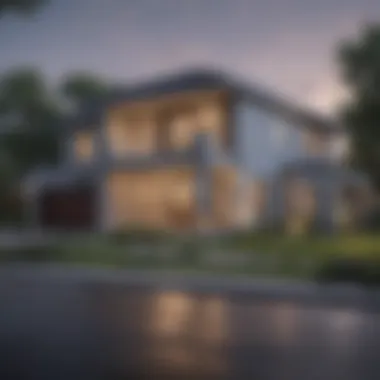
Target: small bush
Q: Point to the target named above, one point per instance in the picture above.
(372, 221)
(350, 270)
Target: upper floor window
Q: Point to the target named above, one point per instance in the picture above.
(117, 137)
(139, 135)
(209, 117)
(182, 131)
(84, 146)
(184, 126)
(130, 135)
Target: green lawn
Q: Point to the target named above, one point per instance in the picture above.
(355, 244)
(259, 255)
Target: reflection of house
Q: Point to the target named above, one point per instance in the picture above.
(195, 150)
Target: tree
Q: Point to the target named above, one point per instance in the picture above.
(31, 113)
(31, 118)
(360, 64)
(20, 6)
(29, 137)
(80, 88)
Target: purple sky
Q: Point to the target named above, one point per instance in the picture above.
(285, 44)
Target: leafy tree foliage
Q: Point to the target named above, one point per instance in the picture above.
(31, 122)
(360, 63)
(80, 88)
(20, 6)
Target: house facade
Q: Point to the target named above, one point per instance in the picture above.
(194, 151)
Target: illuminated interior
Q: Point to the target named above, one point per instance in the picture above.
(163, 199)
(84, 146)
(167, 122)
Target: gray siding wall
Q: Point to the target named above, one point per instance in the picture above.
(263, 141)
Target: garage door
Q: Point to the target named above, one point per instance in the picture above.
(69, 208)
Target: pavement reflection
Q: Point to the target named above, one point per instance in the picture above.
(112, 330)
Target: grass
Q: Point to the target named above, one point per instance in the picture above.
(352, 245)
(248, 254)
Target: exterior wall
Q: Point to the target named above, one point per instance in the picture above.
(263, 141)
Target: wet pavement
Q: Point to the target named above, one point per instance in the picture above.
(78, 324)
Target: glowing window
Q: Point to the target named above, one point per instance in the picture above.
(209, 116)
(182, 131)
(84, 146)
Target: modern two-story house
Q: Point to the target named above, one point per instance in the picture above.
(196, 150)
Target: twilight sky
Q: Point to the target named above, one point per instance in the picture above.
(287, 45)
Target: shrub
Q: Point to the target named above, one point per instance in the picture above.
(363, 271)
(372, 221)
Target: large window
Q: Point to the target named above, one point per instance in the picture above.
(184, 127)
(209, 117)
(133, 135)
(117, 138)
(182, 191)
(182, 131)
(210, 121)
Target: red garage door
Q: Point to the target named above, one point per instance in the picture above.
(68, 208)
